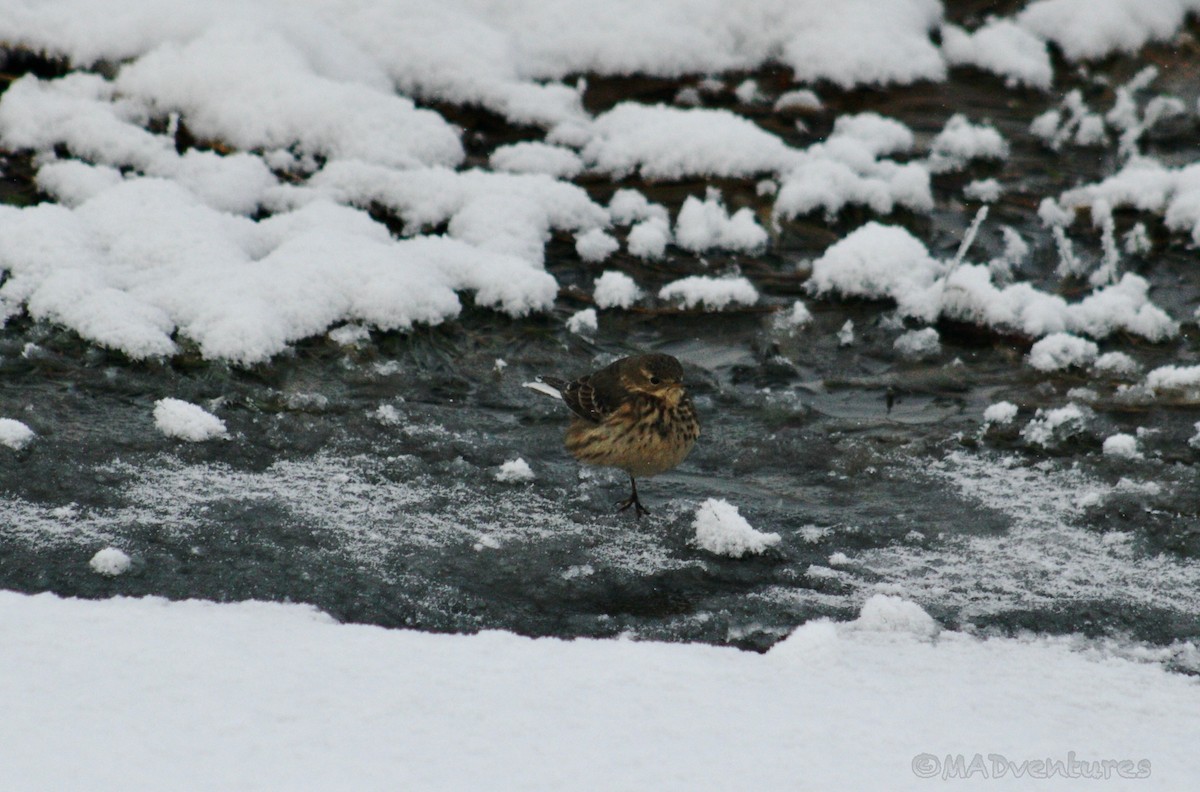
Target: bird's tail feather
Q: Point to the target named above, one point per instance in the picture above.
(548, 386)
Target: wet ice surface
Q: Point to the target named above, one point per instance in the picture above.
(348, 482)
(359, 472)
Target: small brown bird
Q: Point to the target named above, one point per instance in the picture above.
(634, 415)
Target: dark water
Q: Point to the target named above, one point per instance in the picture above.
(395, 517)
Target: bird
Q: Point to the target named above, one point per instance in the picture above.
(634, 415)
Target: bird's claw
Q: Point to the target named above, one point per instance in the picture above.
(639, 509)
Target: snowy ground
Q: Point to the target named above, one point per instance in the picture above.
(192, 695)
(271, 277)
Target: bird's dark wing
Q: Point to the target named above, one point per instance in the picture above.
(594, 396)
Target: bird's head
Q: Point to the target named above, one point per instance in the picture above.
(657, 375)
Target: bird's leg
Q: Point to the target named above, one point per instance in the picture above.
(633, 501)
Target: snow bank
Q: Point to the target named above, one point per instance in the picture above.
(220, 693)
(186, 421)
(15, 434)
(720, 529)
(712, 293)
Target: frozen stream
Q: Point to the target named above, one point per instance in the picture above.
(359, 474)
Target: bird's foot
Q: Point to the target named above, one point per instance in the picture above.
(633, 501)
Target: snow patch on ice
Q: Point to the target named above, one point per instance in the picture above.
(15, 434)
(722, 530)
(110, 562)
(185, 421)
(515, 471)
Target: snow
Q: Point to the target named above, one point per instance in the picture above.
(515, 471)
(1184, 379)
(186, 421)
(534, 157)
(797, 317)
(960, 141)
(1051, 426)
(803, 100)
(1121, 445)
(1116, 364)
(349, 335)
(847, 169)
(335, 96)
(110, 562)
(1001, 413)
(583, 322)
(649, 238)
(1194, 442)
(879, 262)
(845, 335)
(1088, 29)
(891, 614)
(1059, 351)
(662, 142)
(919, 344)
(615, 290)
(217, 693)
(596, 245)
(985, 190)
(721, 529)
(711, 293)
(702, 225)
(1003, 47)
(15, 434)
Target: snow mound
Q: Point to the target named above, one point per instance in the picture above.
(1002, 47)
(1000, 413)
(918, 344)
(669, 143)
(961, 141)
(15, 434)
(186, 421)
(533, 157)
(1059, 351)
(1051, 426)
(615, 290)
(596, 245)
(1121, 445)
(110, 562)
(713, 293)
(583, 322)
(515, 471)
(887, 613)
(720, 529)
(880, 262)
(702, 225)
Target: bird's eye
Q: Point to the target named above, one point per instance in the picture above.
(655, 381)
